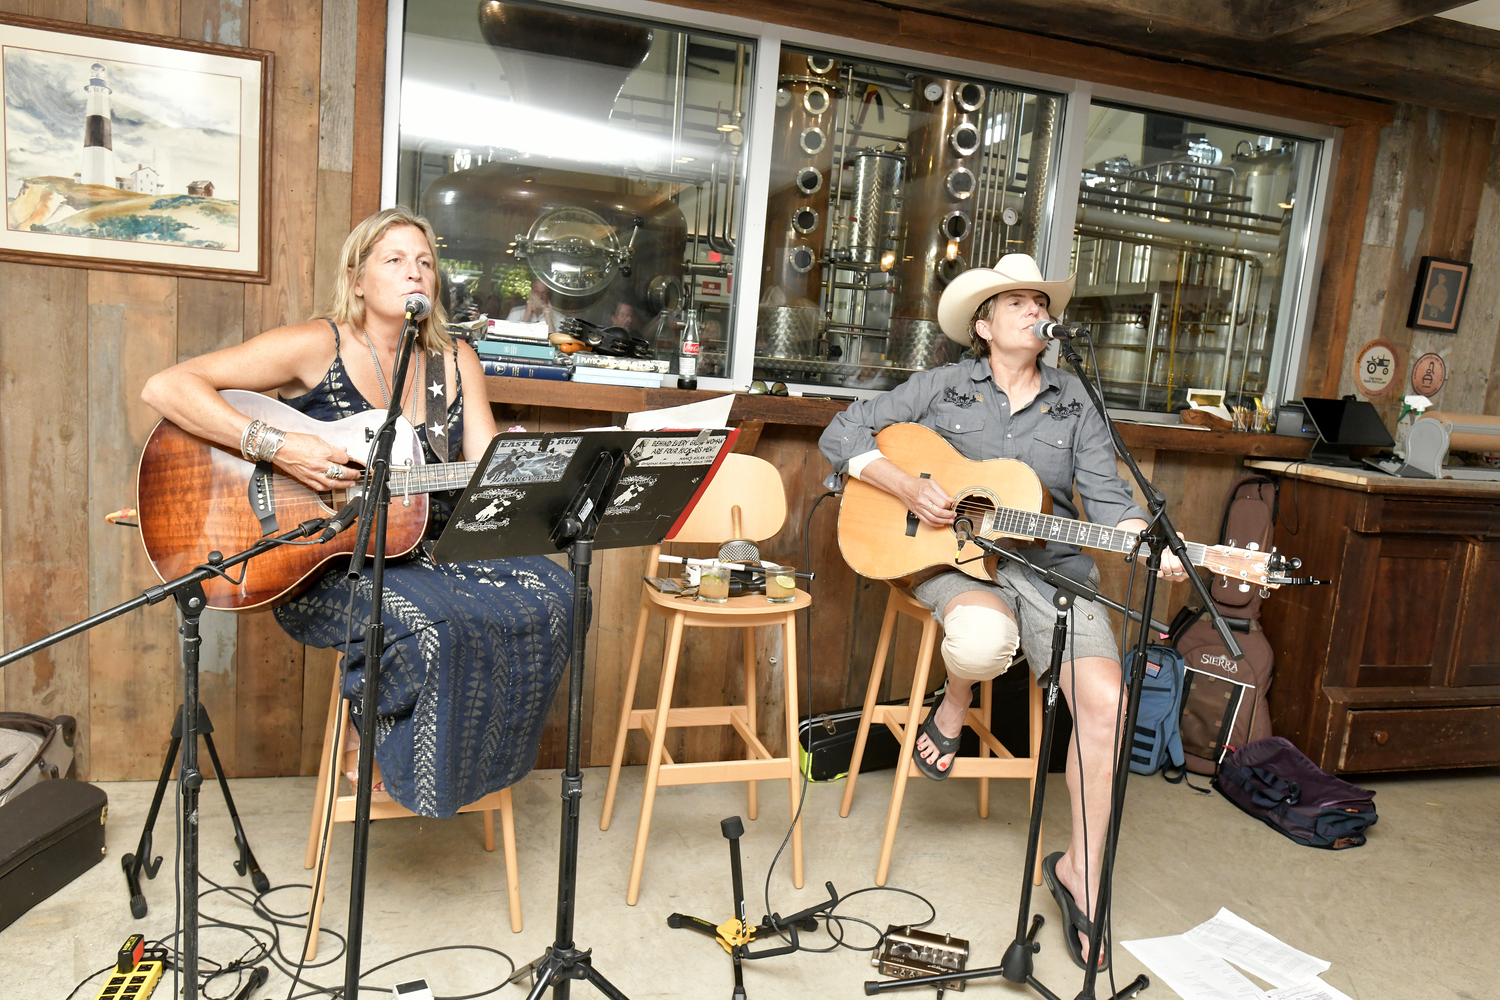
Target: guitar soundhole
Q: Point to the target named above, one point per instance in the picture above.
(974, 506)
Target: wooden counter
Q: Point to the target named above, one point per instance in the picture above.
(1396, 665)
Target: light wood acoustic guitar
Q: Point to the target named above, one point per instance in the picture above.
(195, 497)
(997, 499)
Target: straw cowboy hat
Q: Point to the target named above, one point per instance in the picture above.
(967, 292)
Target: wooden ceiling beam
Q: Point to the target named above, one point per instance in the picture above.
(1331, 22)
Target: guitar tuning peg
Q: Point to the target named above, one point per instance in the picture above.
(1253, 546)
(1244, 588)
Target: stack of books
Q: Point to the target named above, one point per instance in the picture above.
(521, 350)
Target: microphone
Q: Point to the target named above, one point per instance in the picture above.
(964, 529)
(343, 519)
(418, 306)
(1051, 329)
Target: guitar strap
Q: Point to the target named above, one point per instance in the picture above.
(435, 393)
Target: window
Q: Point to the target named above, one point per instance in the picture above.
(885, 183)
(577, 167)
(1190, 245)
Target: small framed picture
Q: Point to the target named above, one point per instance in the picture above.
(1438, 301)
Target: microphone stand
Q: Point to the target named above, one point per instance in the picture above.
(372, 516)
(187, 591)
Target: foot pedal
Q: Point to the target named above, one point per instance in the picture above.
(909, 953)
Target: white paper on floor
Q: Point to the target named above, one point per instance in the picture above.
(1237, 940)
(1192, 972)
(1314, 990)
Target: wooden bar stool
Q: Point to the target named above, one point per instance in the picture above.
(332, 805)
(895, 717)
(755, 486)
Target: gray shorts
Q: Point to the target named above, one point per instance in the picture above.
(1089, 632)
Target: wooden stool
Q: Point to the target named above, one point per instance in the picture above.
(330, 807)
(756, 485)
(984, 767)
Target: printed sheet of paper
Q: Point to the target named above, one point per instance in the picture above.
(1236, 940)
(1191, 971)
(691, 416)
(1313, 990)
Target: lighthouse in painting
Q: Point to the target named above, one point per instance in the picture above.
(98, 148)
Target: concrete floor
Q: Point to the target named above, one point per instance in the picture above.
(1412, 914)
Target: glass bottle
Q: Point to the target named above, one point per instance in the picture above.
(687, 351)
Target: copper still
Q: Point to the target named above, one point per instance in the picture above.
(790, 319)
(942, 158)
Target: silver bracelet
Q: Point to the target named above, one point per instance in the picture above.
(247, 436)
(268, 442)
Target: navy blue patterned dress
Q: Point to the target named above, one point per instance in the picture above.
(474, 651)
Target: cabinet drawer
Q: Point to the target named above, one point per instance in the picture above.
(1407, 738)
(1424, 516)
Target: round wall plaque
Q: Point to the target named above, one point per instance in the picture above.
(1429, 374)
(1375, 367)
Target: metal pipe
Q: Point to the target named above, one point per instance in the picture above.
(679, 89)
(1039, 170)
(1184, 231)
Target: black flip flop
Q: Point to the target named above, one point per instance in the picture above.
(944, 744)
(1073, 919)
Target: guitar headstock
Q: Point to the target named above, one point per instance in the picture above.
(1266, 569)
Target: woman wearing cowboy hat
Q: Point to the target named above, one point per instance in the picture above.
(1005, 402)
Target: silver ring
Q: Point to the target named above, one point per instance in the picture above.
(335, 472)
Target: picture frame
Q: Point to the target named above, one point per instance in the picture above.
(133, 152)
(1437, 303)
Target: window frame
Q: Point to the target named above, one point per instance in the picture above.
(1299, 288)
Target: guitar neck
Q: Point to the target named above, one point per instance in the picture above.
(1009, 521)
(431, 478)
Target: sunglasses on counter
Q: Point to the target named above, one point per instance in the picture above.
(758, 388)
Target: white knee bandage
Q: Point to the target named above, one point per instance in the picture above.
(978, 643)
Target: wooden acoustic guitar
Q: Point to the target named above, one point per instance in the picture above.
(997, 499)
(195, 497)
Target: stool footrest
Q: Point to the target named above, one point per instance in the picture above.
(721, 771)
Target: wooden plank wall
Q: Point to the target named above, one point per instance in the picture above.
(1434, 191)
(76, 347)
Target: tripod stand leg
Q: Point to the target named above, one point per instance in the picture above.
(141, 860)
(246, 863)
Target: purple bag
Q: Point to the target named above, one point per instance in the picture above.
(1275, 782)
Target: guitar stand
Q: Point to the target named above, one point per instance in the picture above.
(735, 934)
(140, 861)
(187, 591)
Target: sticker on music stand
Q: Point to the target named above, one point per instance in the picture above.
(627, 499)
(1428, 375)
(699, 450)
(1375, 367)
(529, 460)
(492, 516)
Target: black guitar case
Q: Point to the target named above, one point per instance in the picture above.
(49, 835)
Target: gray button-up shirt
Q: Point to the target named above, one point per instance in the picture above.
(1058, 434)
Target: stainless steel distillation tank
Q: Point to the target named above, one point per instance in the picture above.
(594, 237)
(790, 320)
(937, 214)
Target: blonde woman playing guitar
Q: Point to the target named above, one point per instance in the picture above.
(1004, 402)
(475, 650)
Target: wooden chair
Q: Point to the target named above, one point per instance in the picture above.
(332, 805)
(984, 767)
(755, 486)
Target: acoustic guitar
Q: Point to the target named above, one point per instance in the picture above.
(996, 499)
(195, 497)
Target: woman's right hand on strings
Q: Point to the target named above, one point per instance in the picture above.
(308, 459)
(929, 501)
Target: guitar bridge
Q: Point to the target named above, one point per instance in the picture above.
(262, 494)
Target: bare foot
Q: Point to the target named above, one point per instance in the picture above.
(351, 760)
(948, 716)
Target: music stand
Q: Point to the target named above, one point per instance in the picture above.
(535, 494)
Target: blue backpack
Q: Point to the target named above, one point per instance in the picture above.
(1157, 738)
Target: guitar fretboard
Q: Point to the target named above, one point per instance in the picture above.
(431, 478)
(1009, 521)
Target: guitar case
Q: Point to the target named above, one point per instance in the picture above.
(1208, 701)
(49, 835)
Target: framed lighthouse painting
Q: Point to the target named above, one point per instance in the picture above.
(133, 152)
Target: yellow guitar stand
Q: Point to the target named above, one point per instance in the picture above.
(735, 934)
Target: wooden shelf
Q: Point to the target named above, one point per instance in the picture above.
(807, 412)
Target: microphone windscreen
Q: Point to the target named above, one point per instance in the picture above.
(418, 305)
(1042, 329)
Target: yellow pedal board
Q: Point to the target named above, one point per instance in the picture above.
(136, 984)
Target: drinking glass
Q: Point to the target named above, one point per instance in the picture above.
(713, 583)
(781, 585)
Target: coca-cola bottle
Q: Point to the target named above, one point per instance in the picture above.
(687, 351)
